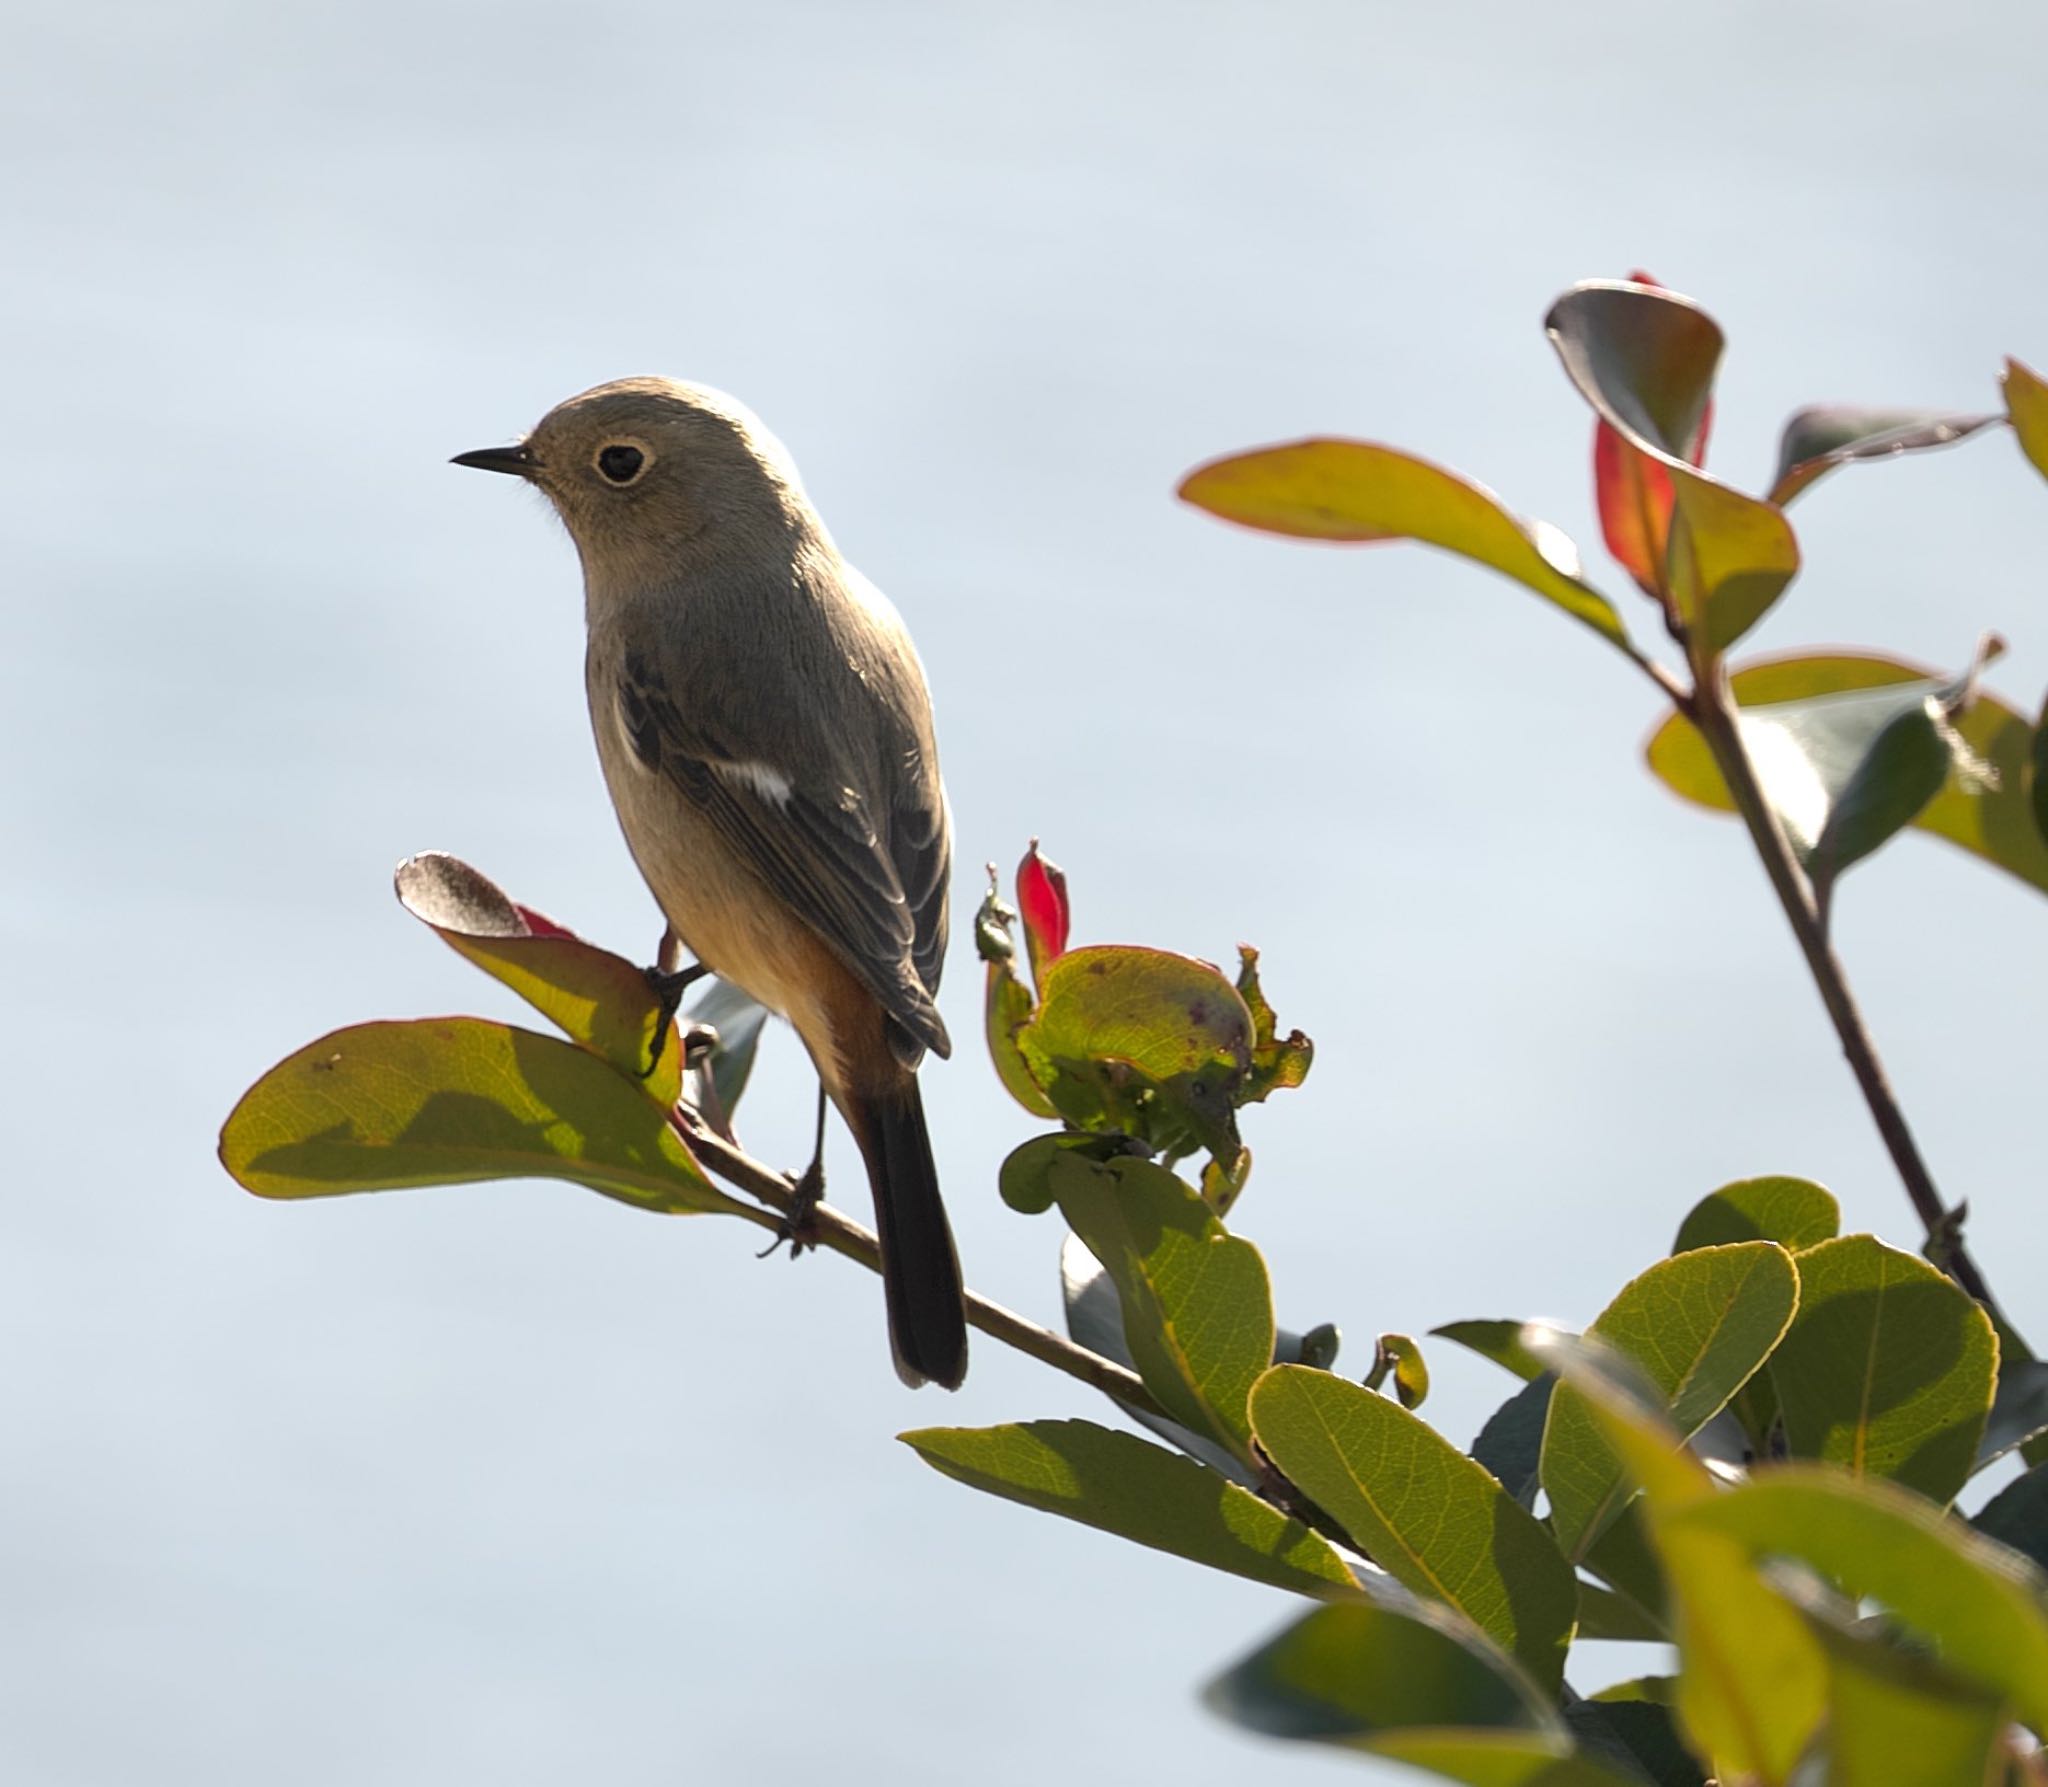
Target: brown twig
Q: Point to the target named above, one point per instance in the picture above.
(1710, 705)
(834, 1229)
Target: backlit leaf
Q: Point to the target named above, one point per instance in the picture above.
(1795, 1213)
(1644, 358)
(2026, 404)
(1359, 491)
(1128, 1486)
(1991, 819)
(1888, 1369)
(1422, 1510)
(443, 1101)
(1699, 1324)
(598, 999)
(1978, 1603)
(1197, 1308)
(1151, 1044)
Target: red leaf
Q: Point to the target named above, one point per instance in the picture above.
(1042, 904)
(1634, 494)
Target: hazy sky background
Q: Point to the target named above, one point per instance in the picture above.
(512, 1484)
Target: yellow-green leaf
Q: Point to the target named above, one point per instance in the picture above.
(1752, 1679)
(1889, 1369)
(1981, 1605)
(1698, 1324)
(1991, 818)
(1359, 491)
(442, 1101)
(2026, 403)
(1424, 1512)
(1795, 1213)
(1197, 1307)
(1121, 1484)
(596, 998)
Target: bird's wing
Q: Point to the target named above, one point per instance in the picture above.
(878, 901)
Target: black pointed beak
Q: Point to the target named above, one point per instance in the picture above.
(518, 460)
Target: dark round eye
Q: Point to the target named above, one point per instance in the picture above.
(621, 464)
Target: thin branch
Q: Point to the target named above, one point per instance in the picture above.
(1711, 707)
(835, 1230)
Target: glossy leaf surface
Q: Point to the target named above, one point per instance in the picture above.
(1795, 1213)
(1197, 1308)
(1128, 1486)
(596, 998)
(1820, 438)
(1698, 1324)
(443, 1101)
(1888, 1370)
(1359, 491)
(1993, 820)
(1645, 359)
(1423, 1511)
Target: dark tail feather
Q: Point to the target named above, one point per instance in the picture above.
(920, 1270)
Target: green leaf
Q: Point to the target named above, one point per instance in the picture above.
(1398, 1355)
(1888, 1369)
(1752, 1678)
(1605, 1614)
(1198, 1310)
(1818, 439)
(1626, 1561)
(1993, 820)
(1095, 1319)
(1422, 1510)
(1008, 1004)
(2017, 1516)
(442, 1101)
(1637, 1733)
(1359, 491)
(1279, 1063)
(1151, 1044)
(1644, 358)
(1024, 1180)
(1699, 1324)
(1511, 1443)
(1352, 1673)
(1136, 1490)
(2026, 405)
(1977, 1602)
(1795, 1213)
(1498, 1759)
(1891, 777)
(596, 998)
(1899, 1720)
(1496, 1340)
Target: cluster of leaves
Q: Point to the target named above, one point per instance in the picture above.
(1748, 1455)
(440, 1101)
(1751, 1456)
(1850, 747)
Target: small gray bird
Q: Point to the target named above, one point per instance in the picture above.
(766, 735)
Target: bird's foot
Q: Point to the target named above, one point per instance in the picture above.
(799, 1226)
(668, 985)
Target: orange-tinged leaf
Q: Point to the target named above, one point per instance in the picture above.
(1359, 492)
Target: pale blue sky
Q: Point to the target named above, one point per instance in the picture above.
(512, 1484)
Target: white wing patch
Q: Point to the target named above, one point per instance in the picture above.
(762, 779)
